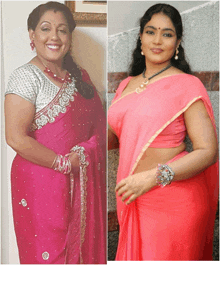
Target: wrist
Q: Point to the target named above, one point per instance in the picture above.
(153, 177)
(62, 164)
(150, 178)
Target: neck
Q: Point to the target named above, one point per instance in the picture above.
(54, 66)
(152, 68)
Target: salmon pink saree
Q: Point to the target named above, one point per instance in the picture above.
(175, 222)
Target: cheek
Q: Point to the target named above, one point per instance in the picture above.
(66, 41)
(171, 45)
(40, 38)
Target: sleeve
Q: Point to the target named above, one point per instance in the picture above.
(23, 82)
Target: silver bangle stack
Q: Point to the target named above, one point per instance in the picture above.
(164, 175)
(62, 164)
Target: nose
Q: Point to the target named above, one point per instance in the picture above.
(157, 39)
(54, 35)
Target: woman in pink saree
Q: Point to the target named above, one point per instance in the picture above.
(166, 197)
(56, 124)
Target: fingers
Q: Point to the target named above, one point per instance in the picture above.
(126, 195)
(119, 185)
(122, 190)
(131, 199)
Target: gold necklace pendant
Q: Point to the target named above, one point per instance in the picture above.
(141, 87)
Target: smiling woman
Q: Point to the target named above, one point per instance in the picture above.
(51, 37)
(56, 124)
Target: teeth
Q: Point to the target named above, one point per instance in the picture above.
(53, 46)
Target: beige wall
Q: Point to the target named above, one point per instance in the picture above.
(89, 46)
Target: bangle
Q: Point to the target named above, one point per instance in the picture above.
(164, 175)
(54, 162)
(62, 164)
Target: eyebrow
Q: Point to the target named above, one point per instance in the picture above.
(164, 29)
(50, 23)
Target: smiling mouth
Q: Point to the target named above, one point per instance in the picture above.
(156, 50)
(53, 47)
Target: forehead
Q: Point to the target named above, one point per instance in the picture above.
(160, 20)
(53, 17)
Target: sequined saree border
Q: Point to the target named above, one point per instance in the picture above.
(83, 192)
(159, 131)
(55, 107)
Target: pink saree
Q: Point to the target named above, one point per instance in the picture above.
(175, 222)
(58, 221)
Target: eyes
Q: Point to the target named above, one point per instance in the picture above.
(165, 34)
(48, 29)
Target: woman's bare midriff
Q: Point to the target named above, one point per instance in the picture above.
(153, 156)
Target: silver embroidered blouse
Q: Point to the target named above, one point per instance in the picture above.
(30, 83)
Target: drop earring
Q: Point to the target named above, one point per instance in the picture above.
(142, 53)
(32, 45)
(176, 56)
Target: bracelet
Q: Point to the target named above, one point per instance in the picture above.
(62, 164)
(164, 175)
(54, 162)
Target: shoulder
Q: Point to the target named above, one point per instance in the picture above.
(85, 75)
(25, 82)
(26, 72)
(188, 78)
(124, 82)
(190, 83)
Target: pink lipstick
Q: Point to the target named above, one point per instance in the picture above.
(156, 50)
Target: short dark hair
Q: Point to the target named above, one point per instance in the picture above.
(39, 11)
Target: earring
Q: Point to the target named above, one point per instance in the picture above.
(142, 53)
(32, 45)
(176, 56)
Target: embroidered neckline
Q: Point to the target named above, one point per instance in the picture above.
(55, 107)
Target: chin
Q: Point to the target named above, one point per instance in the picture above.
(54, 58)
(158, 60)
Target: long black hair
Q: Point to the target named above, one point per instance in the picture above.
(83, 88)
(138, 62)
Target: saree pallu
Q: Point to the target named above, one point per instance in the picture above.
(44, 209)
(175, 222)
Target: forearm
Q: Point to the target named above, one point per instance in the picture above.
(192, 164)
(189, 165)
(33, 151)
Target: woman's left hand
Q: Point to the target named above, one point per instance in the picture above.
(74, 159)
(136, 185)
